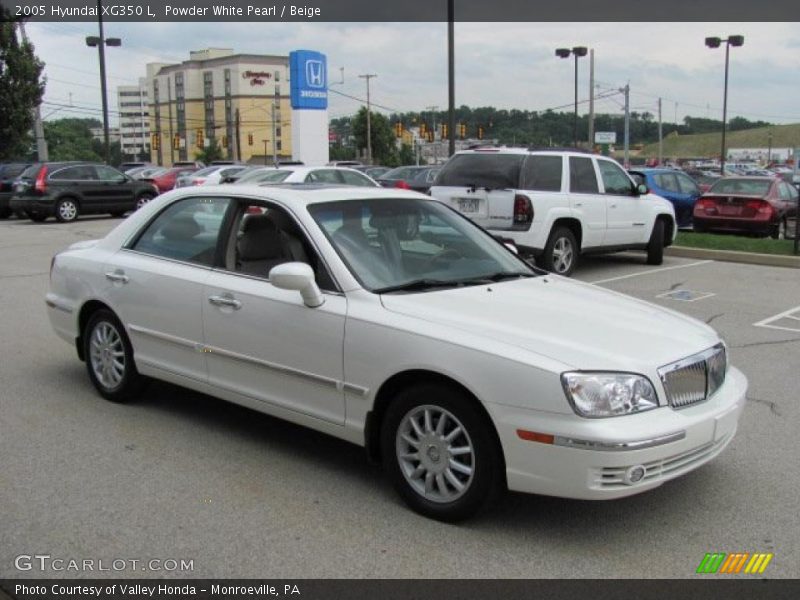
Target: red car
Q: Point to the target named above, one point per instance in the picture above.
(166, 181)
(758, 205)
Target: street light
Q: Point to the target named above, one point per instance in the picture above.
(577, 52)
(101, 42)
(715, 42)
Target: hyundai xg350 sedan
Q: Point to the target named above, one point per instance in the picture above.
(387, 319)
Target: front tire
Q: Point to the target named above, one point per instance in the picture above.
(109, 358)
(561, 252)
(440, 453)
(779, 233)
(655, 248)
(143, 199)
(67, 210)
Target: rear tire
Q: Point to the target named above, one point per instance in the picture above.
(440, 453)
(67, 210)
(655, 248)
(142, 200)
(561, 252)
(109, 358)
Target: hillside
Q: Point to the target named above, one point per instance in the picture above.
(708, 144)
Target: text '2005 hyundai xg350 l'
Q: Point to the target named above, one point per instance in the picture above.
(386, 318)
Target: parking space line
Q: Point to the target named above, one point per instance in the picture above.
(651, 271)
(787, 314)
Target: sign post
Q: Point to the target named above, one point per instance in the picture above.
(605, 139)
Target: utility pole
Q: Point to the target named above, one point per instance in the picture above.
(274, 132)
(238, 137)
(660, 137)
(38, 128)
(626, 152)
(451, 78)
(368, 76)
(769, 152)
(169, 110)
(591, 98)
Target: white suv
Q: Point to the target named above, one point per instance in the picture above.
(556, 204)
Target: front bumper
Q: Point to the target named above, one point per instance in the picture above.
(597, 471)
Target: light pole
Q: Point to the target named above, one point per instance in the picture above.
(715, 42)
(101, 42)
(577, 52)
(368, 76)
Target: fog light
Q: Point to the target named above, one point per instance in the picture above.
(634, 474)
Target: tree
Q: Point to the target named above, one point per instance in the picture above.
(210, 153)
(406, 156)
(21, 89)
(384, 151)
(71, 139)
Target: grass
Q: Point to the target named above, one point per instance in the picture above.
(737, 243)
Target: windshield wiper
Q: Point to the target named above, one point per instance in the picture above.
(417, 285)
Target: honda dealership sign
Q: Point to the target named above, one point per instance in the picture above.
(308, 73)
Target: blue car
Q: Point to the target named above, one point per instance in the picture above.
(675, 186)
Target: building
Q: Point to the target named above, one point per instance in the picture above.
(239, 101)
(134, 121)
(97, 134)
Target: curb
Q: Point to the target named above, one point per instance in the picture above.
(752, 258)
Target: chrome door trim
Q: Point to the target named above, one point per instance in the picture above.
(165, 337)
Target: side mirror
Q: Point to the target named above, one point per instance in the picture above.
(299, 277)
(641, 190)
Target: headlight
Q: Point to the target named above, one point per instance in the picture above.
(608, 394)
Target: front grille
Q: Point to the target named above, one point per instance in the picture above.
(696, 378)
(666, 468)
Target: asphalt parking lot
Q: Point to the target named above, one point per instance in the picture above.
(179, 475)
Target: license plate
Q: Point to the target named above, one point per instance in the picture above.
(468, 205)
(730, 210)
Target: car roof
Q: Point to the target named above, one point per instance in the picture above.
(302, 194)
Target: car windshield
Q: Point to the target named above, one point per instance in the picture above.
(400, 173)
(750, 187)
(265, 176)
(411, 244)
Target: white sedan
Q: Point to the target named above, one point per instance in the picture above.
(387, 319)
(301, 174)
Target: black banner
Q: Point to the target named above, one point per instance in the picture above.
(407, 10)
(733, 588)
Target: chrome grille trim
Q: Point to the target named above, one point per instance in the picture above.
(695, 378)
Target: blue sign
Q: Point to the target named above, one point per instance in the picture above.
(308, 73)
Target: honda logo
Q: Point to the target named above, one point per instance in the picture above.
(315, 75)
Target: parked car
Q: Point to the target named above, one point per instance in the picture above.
(289, 174)
(66, 190)
(345, 163)
(372, 170)
(128, 166)
(197, 164)
(8, 174)
(165, 180)
(675, 186)
(758, 205)
(704, 179)
(146, 172)
(556, 204)
(212, 175)
(384, 318)
(418, 179)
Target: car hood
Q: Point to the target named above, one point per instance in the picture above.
(577, 324)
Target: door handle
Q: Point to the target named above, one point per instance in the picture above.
(225, 301)
(117, 277)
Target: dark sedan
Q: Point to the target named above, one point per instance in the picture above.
(8, 173)
(756, 205)
(419, 179)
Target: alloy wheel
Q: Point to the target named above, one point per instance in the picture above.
(142, 201)
(68, 210)
(563, 254)
(107, 355)
(435, 453)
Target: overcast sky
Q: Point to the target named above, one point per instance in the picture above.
(497, 64)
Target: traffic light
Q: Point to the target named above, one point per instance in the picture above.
(249, 139)
(199, 140)
(444, 131)
(176, 141)
(462, 130)
(155, 141)
(430, 135)
(423, 129)
(480, 132)
(398, 129)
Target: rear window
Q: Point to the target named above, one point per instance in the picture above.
(12, 170)
(493, 171)
(752, 187)
(31, 172)
(542, 173)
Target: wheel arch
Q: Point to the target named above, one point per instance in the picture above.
(87, 310)
(669, 227)
(405, 379)
(571, 223)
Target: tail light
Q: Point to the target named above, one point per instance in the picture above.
(704, 205)
(760, 206)
(523, 212)
(402, 185)
(41, 181)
